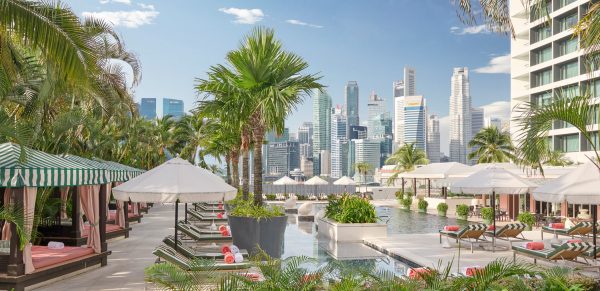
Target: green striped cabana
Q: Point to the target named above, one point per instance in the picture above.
(41, 169)
(113, 173)
(131, 172)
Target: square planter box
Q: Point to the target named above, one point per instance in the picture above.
(350, 232)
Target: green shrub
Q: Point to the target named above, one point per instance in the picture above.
(526, 218)
(301, 197)
(462, 210)
(248, 209)
(442, 207)
(399, 195)
(423, 204)
(407, 202)
(350, 209)
(271, 196)
(487, 213)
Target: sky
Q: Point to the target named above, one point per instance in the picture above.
(361, 40)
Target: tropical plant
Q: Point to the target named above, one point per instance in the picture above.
(350, 209)
(462, 210)
(487, 213)
(527, 218)
(171, 277)
(557, 159)
(442, 208)
(363, 169)
(249, 209)
(406, 159)
(407, 202)
(399, 194)
(491, 146)
(423, 205)
(16, 216)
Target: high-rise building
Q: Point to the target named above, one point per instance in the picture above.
(306, 150)
(306, 166)
(351, 96)
(477, 120)
(325, 159)
(411, 124)
(369, 151)
(358, 132)
(375, 110)
(398, 88)
(282, 157)
(433, 139)
(406, 87)
(272, 136)
(338, 140)
(493, 122)
(321, 127)
(148, 108)
(305, 132)
(547, 63)
(460, 115)
(410, 81)
(173, 107)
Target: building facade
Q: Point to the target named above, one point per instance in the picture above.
(148, 108)
(173, 107)
(546, 63)
(282, 157)
(375, 112)
(477, 124)
(305, 133)
(493, 122)
(433, 139)
(460, 115)
(306, 166)
(352, 102)
(369, 151)
(321, 128)
(339, 126)
(358, 132)
(411, 124)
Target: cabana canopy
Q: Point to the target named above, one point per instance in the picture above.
(130, 171)
(580, 186)
(493, 179)
(345, 180)
(285, 180)
(44, 170)
(175, 180)
(439, 171)
(113, 172)
(316, 180)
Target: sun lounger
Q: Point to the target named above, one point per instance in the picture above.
(565, 251)
(509, 232)
(207, 253)
(581, 229)
(194, 234)
(205, 217)
(170, 255)
(471, 234)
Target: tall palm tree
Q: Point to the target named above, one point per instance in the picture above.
(493, 146)
(363, 169)
(406, 159)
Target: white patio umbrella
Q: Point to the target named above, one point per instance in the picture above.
(316, 180)
(345, 181)
(176, 180)
(285, 180)
(580, 186)
(439, 171)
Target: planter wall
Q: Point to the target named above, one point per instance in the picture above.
(253, 234)
(350, 232)
(452, 202)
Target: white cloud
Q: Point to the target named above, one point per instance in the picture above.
(146, 6)
(499, 109)
(128, 2)
(497, 65)
(131, 19)
(302, 23)
(469, 30)
(244, 16)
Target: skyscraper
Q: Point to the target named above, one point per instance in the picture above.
(375, 110)
(547, 63)
(305, 132)
(398, 88)
(321, 128)
(173, 107)
(338, 141)
(366, 150)
(410, 81)
(493, 122)
(406, 87)
(433, 139)
(411, 124)
(477, 120)
(282, 158)
(460, 115)
(358, 132)
(351, 96)
(148, 108)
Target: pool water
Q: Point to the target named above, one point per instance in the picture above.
(301, 239)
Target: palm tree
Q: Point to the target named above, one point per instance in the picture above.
(406, 159)
(557, 159)
(535, 121)
(492, 146)
(363, 169)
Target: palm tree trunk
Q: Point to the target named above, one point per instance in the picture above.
(235, 171)
(245, 174)
(228, 169)
(258, 135)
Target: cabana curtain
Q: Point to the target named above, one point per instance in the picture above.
(89, 197)
(64, 195)
(120, 217)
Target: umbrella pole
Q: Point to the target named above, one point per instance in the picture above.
(186, 214)
(176, 218)
(493, 202)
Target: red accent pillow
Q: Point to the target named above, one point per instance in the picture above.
(220, 206)
(471, 271)
(535, 245)
(224, 232)
(417, 273)
(451, 228)
(229, 258)
(219, 215)
(491, 227)
(225, 249)
(574, 241)
(557, 225)
(222, 227)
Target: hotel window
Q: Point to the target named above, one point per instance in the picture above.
(542, 77)
(541, 32)
(567, 22)
(542, 55)
(563, 3)
(539, 11)
(567, 46)
(590, 62)
(568, 70)
(586, 145)
(567, 143)
(594, 115)
(567, 92)
(542, 99)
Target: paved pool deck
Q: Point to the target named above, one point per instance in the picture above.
(125, 269)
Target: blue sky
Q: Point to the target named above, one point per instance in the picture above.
(363, 40)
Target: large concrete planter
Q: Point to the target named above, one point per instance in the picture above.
(252, 234)
(350, 232)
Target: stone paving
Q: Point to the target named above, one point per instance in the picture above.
(125, 269)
